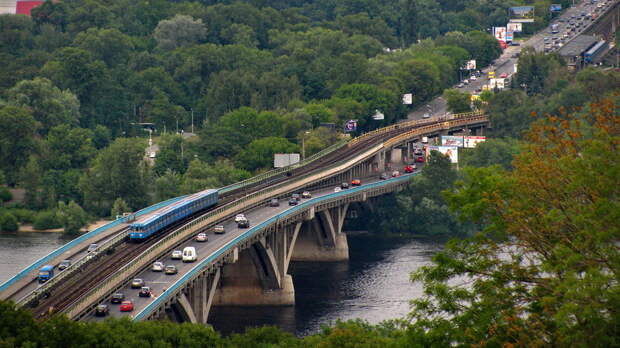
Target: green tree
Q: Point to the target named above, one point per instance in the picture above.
(181, 30)
(171, 155)
(168, 185)
(119, 207)
(68, 147)
(491, 152)
(17, 142)
(457, 101)
(108, 45)
(8, 222)
(72, 217)
(260, 153)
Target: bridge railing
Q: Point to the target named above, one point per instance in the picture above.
(197, 269)
(51, 256)
(186, 231)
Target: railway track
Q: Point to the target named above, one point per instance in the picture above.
(96, 272)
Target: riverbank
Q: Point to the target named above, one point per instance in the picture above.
(29, 228)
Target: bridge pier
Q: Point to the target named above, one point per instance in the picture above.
(321, 239)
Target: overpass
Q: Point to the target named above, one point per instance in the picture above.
(248, 267)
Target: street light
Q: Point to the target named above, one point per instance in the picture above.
(303, 145)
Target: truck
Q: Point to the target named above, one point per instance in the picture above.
(46, 273)
(554, 29)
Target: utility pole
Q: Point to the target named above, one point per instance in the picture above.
(192, 110)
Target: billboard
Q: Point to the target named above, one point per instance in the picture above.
(500, 33)
(408, 99)
(450, 151)
(555, 8)
(522, 14)
(470, 65)
(472, 141)
(496, 83)
(514, 27)
(450, 140)
(378, 116)
(350, 126)
(509, 36)
(285, 159)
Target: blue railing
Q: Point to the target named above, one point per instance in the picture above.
(80, 239)
(247, 234)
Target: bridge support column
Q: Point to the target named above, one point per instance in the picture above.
(322, 239)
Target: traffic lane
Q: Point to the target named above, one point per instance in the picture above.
(75, 255)
(159, 282)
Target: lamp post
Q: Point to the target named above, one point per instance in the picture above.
(192, 110)
(303, 145)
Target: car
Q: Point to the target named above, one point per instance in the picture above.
(117, 298)
(189, 254)
(384, 176)
(157, 267)
(514, 43)
(460, 85)
(145, 291)
(426, 115)
(296, 196)
(92, 247)
(177, 255)
(137, 283)
(395, 173)
(245, 223)
(466, 82)
(337, 189)
(219, 229)
(473, 78)
(292, 201)
(409, 168)
(356, 182)
(126, 306)
(344, 185)
(274, 202)
(102, 310)
(306, 194)
(202, 237)
(239, 217)
(419, 159)
(503, 76)
(64, 264)
(171, 269)
(545, 39)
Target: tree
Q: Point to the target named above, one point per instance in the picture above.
(72, 217)
(542, 271)
(171, 155)
(68, 147)
(8, 222)
(201, 176)
(119, 208)
(180, 30)
(108, 45)
(259, 153)
(168, 185)
(457, 101)
(499, 151)
(17, 130)
(118, 171)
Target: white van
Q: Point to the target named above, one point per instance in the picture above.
(189, 254)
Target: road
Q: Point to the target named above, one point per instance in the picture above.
(507, 61)
(158, 281)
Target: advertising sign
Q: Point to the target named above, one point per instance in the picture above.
(378, 116)
(450, 140)
(500, 33)
(450, 151)
(285, 159)
(514, 27)
(496, 83)
(509, 36)
(472, 141)
(350, 126)
(522, 14)
(408, 98)
(470, 65)
(555, 8)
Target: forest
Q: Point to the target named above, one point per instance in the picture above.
(246, 78)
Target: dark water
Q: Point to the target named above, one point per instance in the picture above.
(373, 285)
(20, 250)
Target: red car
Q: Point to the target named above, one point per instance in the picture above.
(356, 182)
(503, 76)
(419, 159)
(126, 306)
(409, 169)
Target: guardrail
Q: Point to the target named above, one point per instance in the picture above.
(195, 271)
(42, 261)
(186, 231)
(277, 171)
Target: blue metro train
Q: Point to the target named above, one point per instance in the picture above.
(149, 224)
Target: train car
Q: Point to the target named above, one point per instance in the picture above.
(149, 224)
(594, 54)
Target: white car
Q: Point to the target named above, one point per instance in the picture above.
(177, 255)
(239, 217)
(426, 115)
(158, 267)
(202, 237)
(337, 189)
(473, 78)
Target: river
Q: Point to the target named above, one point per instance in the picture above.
(373, 285)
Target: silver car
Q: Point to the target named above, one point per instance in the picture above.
(177, 255)
(157, 267)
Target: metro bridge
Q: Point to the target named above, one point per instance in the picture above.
(243, 267)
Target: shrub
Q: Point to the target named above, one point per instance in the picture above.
(8, 223)
(24, 216)
(5, 194)
(46, 220)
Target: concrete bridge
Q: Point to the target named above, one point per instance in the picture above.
(250, 266)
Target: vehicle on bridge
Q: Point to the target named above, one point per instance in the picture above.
(102, 310)
(189, 254)
(46, 273)
(409, 168)
(152, 223)
(243, 223)
(127, 306)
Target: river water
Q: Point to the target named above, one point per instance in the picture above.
(373, 285)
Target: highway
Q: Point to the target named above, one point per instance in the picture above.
(158, 281)
(507, 61)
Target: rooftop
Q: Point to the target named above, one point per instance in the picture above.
(577, 46)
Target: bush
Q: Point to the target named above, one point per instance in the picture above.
(8, 223)
(5, 194)
(24, 216)
(46, 220)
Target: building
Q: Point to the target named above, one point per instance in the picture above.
(573, 52)
(18, 6)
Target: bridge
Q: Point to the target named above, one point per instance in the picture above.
(242, 266)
